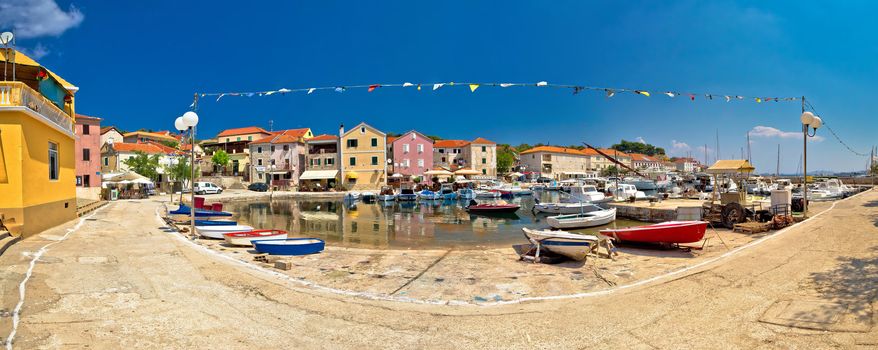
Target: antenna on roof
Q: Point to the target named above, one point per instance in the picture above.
(5, 39)
(271, 125)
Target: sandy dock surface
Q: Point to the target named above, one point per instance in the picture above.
(124, 280)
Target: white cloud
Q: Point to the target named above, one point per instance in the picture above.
(38, 18)
(679, 146)
(769, 132)
(640, 139)
(37, 52)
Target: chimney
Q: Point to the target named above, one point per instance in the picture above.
(340, 163)
(340, 130)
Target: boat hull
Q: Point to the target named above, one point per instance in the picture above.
(672, 232)
(565, 208)
(571, 245)
(386, 197)
(290, 246)
(492, 208)
(217, 232)
(246, 238)
(592, 219)
(406, 197)
(215, 222)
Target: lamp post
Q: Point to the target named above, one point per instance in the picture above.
(188, 122)
(809, 120)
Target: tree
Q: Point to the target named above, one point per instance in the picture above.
(220, 158)
(143, 164)
(505, 159)
(638, 147)
(180, 171)
(611, 170)
(171, 144)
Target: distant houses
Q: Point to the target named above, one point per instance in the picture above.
(279, 159)
(479, 155)
(364, 157)
(88, 157)
(412, 155)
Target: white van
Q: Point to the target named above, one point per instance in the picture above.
(207, 188)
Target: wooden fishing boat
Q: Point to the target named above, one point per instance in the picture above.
(217, 232)
(474, 207)
(386, 194)
(590, 219)
(289, 246)
(406, 194)
(572, 245)
(247, 238)
(671, 232)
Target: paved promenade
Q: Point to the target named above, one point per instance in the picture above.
(121, 281)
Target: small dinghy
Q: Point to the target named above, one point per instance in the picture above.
(215, 223)
(217, 232)
(247, 238)
(369, 197)
(386, 194)
(572, 245)
(589, 219)
(475, 207)
(289, 246)
(671, 232)
(487, 194)
(352, 196)
(566, 208)
(199, 213)
(428, 195)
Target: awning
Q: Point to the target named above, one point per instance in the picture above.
(574, 173)
(351, 175)
(318, 174)
(467, 172)
(727, 166)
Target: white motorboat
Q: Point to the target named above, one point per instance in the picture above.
(565, 208)
(587, 193)
(640, 184)
(487, 194)
(589, 219)
(352, 196)
(217, 232)
(369, 196)
(623, 192)
(572, 245)
(466, 193)
(386, 194)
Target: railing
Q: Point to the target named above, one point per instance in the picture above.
(15, 93)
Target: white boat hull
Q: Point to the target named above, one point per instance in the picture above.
(565, 208)
(487, 194)
(217, 232)
(592, 219)
(387, 197)
(572, 245)
(248, 241)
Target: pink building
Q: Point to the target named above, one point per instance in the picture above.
(412, 154)
(88, 156)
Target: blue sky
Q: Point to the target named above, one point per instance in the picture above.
(138, 64)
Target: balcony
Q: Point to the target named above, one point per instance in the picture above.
(17, 94)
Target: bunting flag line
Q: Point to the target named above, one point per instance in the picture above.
(473, 86)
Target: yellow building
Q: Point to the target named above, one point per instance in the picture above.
(363, 157)
(37, 152)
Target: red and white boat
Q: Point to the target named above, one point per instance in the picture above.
(246, 238)
(492, 208)
(667, 232)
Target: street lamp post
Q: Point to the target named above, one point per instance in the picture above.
(809, 120)
(188, 122)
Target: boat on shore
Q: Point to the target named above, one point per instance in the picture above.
(589, 219)
(671, 232)
(572, 245)
(290, 246)
(185, 210)
(215, 222)
(217, 232)
(247, 238)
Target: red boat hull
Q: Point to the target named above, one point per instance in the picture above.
(491, 208)
(667, 232)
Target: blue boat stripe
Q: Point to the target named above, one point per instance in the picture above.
(564, 243)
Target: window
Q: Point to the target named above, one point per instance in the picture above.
(375, 142)
(421, 163)
(407, 164)
(420, 147)
(329, 161)
(317, 161)
(227, 139)
(250, 138)
(374, 160)
(352, 143)
(311, 162)
(86, 130)
(86, 154)
(353, 161)
(86, 180)
(484, 161)
(286, 147)
(260, 176)
(443, 159)
(79, 181)
(53, 161)
(259, 149)
(484, 171)
(362, 129)
(442, 150)
(484, 148)
(239, 138)
(272, 148)
(106, 161)
(272, 162)
(259, 161)
(405, 148)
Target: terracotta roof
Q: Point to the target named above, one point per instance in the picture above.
(243, 131)
(86, 117)
(483, 141)
(614, 153)
(106, 129)
(450, 143)
(641, 157)
(324, 137)
(165, 149)
(148, 148)
(150, 135)
(553, 149)
(284, 136)
(390, 139)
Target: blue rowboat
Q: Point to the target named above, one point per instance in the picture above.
(289, 246)
(186, 210)
(215, 223)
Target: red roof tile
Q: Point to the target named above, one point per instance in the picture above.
(86, 117)
(284, 136)
(324, 137)
(553, 149)
(483, 141)
(642, 157)
(243, 131)
(148, 148)
(450, 143)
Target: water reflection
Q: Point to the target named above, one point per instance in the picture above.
(420, 224)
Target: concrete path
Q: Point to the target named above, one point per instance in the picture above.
(121, 282)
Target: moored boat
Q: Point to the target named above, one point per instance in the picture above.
(428, 195)
(487, 194)
(466, 193)
(246, 238)
(572, 245)
(199, 213)
(447, 192)
(667, 232)
(475, 207)
(369, 196)
(217, 232)
(406, 194)
(590, 219)
(290, 246)
(565, 208)
(386, 194)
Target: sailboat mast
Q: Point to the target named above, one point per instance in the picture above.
(777, 170)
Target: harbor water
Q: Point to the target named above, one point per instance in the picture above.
(400, 225)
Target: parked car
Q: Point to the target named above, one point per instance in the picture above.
(258, 187)
(207, 188)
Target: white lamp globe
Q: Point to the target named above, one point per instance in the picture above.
(179, 125)
(807, 118)
(817, 123)
(190, 119)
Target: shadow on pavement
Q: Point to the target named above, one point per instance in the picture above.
(852, 283)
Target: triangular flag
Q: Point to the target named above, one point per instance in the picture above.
(473, 87)
(340, 89)
(758, 100)
(610, 93)
(407, 84)
(419, 87)
(451, 83)
(728, 98)
(542, 83)
(437, 86)
(692, 97)
(311, 90)
(739, 97)
(644, 93)
(284, 90)
(219, 97)
(709, 96)
(373, 87)
(505, 84)
(670, 94)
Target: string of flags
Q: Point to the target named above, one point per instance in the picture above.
(576, 89)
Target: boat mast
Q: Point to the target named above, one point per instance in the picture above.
(777, 169)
